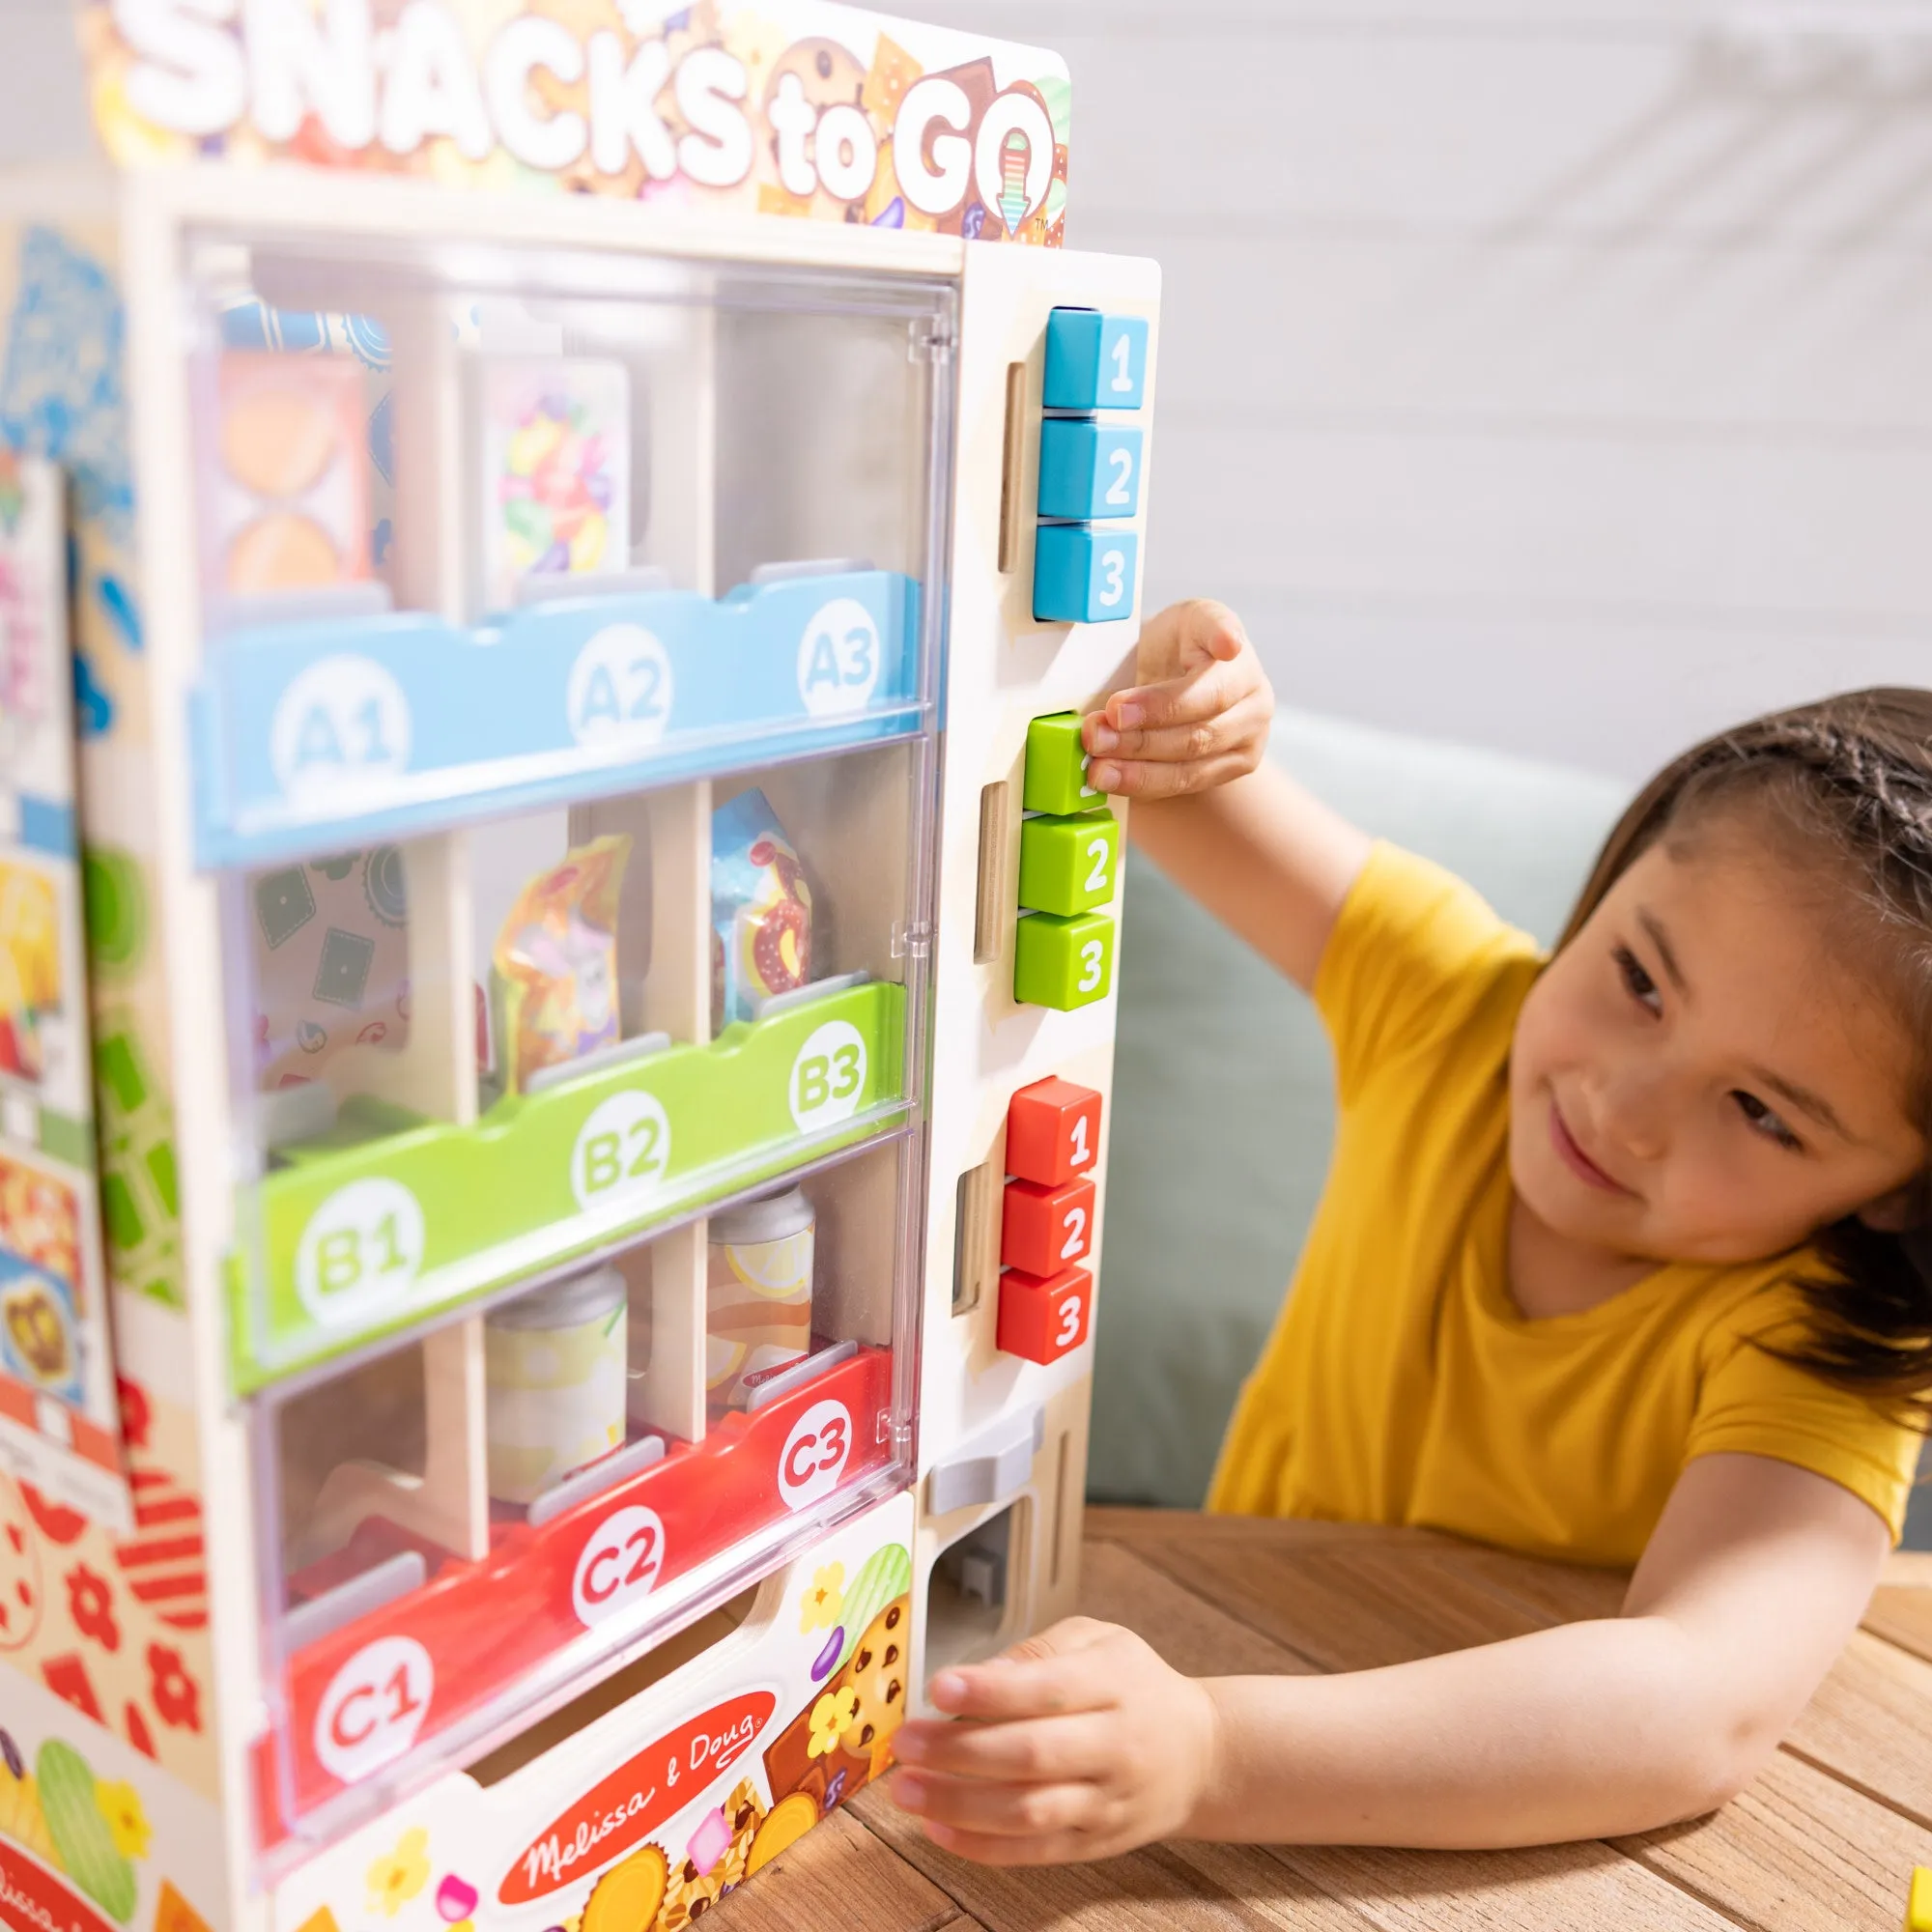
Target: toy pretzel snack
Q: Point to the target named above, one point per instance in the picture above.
(760, 910)
(557, 962)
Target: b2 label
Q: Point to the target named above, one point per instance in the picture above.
(622, 1151)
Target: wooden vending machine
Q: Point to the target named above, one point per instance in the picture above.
(555, 955)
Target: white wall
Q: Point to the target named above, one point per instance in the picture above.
(1531, 374)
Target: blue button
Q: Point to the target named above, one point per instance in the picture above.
(1082, 574)
(1095, 361)
(1088, 470)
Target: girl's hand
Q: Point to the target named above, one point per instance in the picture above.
(1198, 718)
(1081, 1742)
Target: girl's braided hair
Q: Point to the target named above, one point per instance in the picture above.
(1849, 779)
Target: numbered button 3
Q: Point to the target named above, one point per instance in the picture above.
(1041, 1320)
(1082, 574)
(1064, 963)
(1043, 1230)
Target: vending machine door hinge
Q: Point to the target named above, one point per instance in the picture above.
(914, 940)
(928, 341)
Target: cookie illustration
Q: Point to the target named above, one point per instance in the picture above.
(789, 1821)
(878, 1677)
(629, 1897)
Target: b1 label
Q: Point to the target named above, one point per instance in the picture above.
(618, 1565)
(622, 1151)
(374, 1707)
(341, 726)
(815, 1454)
(620, 688)
(839, 659)
(360, 1252)
(828, 1076)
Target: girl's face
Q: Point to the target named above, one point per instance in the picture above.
(1702, 1075)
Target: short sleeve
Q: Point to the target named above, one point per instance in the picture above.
(1752, 1403)
(1414, 958)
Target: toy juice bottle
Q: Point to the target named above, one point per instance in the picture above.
(758, 1304)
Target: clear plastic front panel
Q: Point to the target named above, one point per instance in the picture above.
(565, 750)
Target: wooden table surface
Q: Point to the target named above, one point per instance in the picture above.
(1826, 1839)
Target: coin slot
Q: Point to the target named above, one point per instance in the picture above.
(993, 906)
(1011, 507)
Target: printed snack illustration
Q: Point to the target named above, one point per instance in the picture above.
(555, 963)
(760, 910)
(37, 1331)
(555, 472)
(292, 493)
(39, 1220)
(30, 968)
(330, 944)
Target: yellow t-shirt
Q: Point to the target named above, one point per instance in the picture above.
(1402, 1384)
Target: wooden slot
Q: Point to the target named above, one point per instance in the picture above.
(1011, 481)
(992, 908)
(1061, 1456)
(975, 1237)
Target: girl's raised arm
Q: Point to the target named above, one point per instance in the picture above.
(1266, 857)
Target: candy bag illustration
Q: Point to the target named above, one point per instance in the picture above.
(557, 962)
(760, 910)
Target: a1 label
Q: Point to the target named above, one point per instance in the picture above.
(361, 1250)
(622, 1151)
(828, 1076)
(341, 725)
(374, 1707)
(620, 688)
(839, 659)
(815, 1454)
(618, 1565)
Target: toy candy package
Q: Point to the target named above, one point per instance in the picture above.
(555, 963)
(760, 910)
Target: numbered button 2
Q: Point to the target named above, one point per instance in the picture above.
(1041, 1320)
(1053, 1133)
(1089, 472)
(1063, 963)
(1084, 576)
(1069, 864)
(1095, 361)
(1043, 1230)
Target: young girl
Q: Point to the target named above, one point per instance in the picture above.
(1615, 1264)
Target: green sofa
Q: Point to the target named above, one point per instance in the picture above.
(1222, 1102)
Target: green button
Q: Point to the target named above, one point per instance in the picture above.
(1064, 962)
(1056, 767)
(1069, 864)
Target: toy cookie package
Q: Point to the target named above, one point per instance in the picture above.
(555, 963)
(760, 910)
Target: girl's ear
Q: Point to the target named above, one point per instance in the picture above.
(1893, 1213)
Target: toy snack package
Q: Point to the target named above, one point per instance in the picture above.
(555, 472)
(760, 910)
(557, 962)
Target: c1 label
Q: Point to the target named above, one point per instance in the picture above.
(815, 1454)
(839, 659)
(622, 1151)
(374, 1707)
(828, 1076)
(618, 1565)
(620, 688)
(361, 1251)
(341, 726)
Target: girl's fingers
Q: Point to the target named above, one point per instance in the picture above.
(998, 1811)
(1132, 779)
(1191, 699)
(1059, 1848)
(1191, 633)
(1075, 1676)
(1185, 744)
(1040, 1750)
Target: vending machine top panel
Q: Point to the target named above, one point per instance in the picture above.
(777, 109)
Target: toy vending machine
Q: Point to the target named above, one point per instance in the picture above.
(587, 530)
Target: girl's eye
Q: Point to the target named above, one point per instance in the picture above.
(1638, 984)
(1763, 1120)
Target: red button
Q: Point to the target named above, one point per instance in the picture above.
(1042, 1320)
(1045, 1229)
(1053, 1132)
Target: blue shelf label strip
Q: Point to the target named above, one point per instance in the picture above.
(381, 727)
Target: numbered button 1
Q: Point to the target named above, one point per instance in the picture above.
(1043, 1230)
(1069, 864)
(1089, 472)
(1053, 1132)
(1041, 1320)
(1056, 767)
(1082, 574)
(1064, 963)
(1095, 361)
